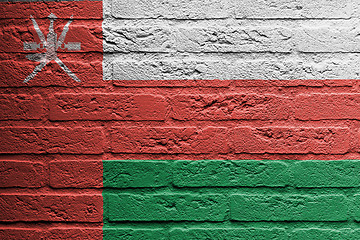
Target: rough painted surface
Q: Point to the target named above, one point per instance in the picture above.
(231, 39)
(50, 173)
(54, 141)
(55, 132)
(231, 199)
(17, 28)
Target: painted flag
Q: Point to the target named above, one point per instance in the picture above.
(168, 119)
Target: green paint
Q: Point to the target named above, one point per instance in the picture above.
(285, 207)
(219, 199)
(227, 233)
(129, 174)
(230, 173)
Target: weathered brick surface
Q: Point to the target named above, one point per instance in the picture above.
(53, 233)
(320, 208)
(84, 9)
(132, 173)
(324, 9)
(165, 207)
(290, 140)
(305, 9)
(212, 31)
(196, 39)
(55, 133)
(133, 233)
(219, 68)
(86, 30)
(211, 173)
(76, 174)
(327, 106)
(318, 174)
(229, 173)
(18, 233)
(316, 233)
(25, 174)
(229, 107)
(173, 9)
(228, 233)
(275, 199)
(107, 107)
(23, 106)
(82, 66)
(169, 140)
(51, 208)
(51, 140)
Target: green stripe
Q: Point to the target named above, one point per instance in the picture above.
(223, 199)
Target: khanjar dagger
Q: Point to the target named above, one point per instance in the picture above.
(51, 44)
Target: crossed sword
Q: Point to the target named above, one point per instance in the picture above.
(51, 44)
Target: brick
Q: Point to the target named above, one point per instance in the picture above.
(188, 9)
(22, 174)
(21, 107)
(356, 202)
(229, 107)
(327, 106)
(319, 208)
(296, 83)
(107, 107)
(320, 234)
(318, 140)
(228, 233)
(84, 31)
(133, 233)
(327, 39)
(165, 207)
(54, 234)
(326, 67)
(75, 233)
(216, 39)
(355, 234)
(84, 9)
(51, 140)
(76, 174)
(304, 9)
(318, 174)
(188, 140)
(86, 66)
(244, 173)
(21, 233)
(51, 208)
(134, 174)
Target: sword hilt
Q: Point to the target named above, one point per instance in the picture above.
(71, 46)
(33, 46)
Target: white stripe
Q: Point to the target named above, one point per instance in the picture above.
(231, 39)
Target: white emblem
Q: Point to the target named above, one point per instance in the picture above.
(51, 44)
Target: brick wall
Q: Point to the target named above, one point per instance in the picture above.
(114, 159)
(231, 39)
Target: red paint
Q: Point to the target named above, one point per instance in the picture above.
(21, 106)
(99, 106)
(51, 208)
(322, 140)
(81, 9)
(22, 174)
(76, 174)
(215, 107)
(53, 233)
(169, 140)
(327, 106)
(79, 140)
(17, 28)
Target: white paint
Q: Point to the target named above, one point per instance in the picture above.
(231, 39)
